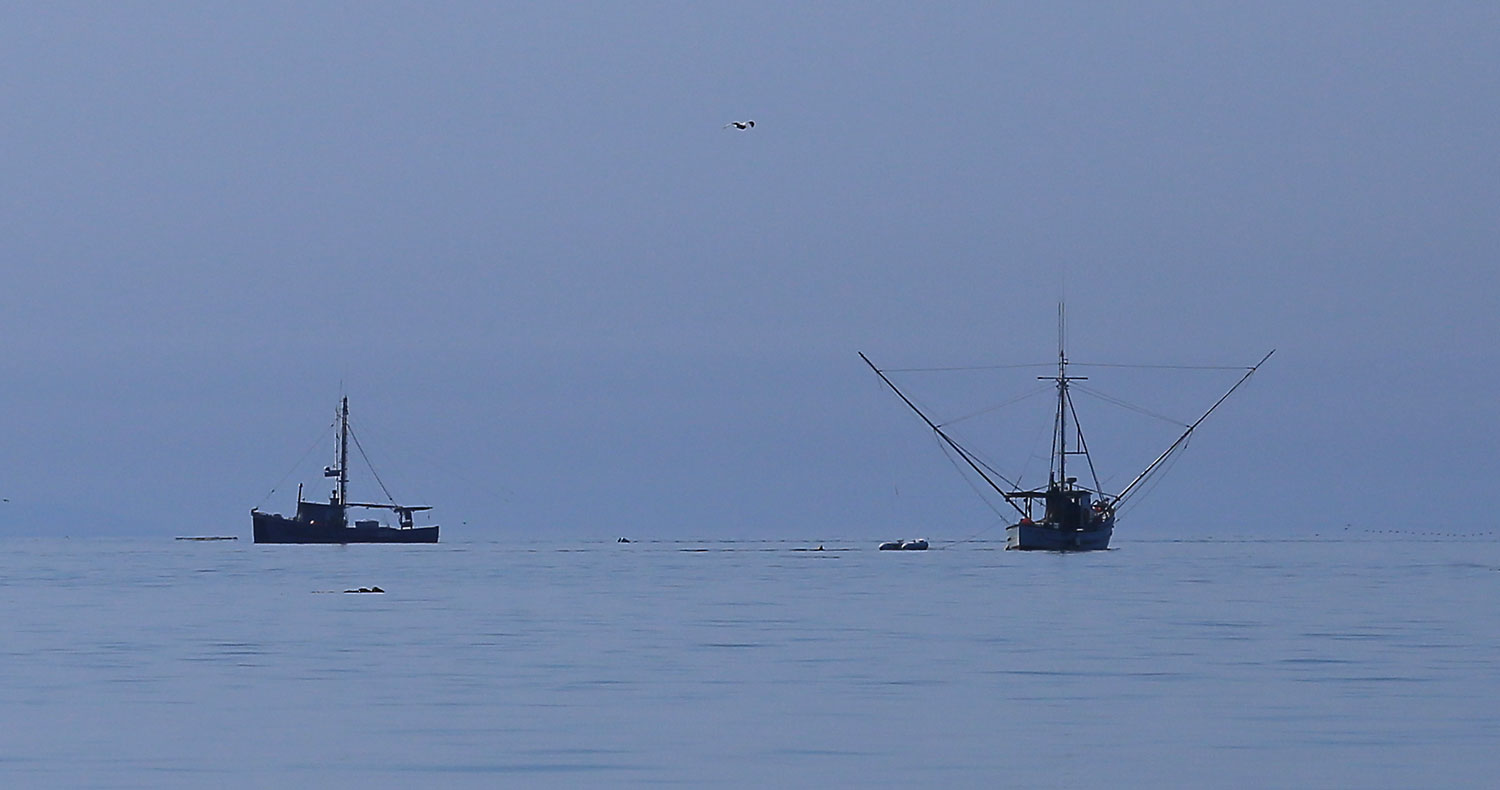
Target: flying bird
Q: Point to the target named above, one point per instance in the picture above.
(742, 125)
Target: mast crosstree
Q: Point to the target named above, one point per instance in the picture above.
(1058, 474)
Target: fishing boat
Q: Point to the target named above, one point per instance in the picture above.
(1074, 516)
(328, 522)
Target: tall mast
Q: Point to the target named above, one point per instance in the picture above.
(343, 450)
(1060, 424)
(1062, 396)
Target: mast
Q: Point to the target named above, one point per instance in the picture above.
(1062, 395)
(1060, 450)
(343, 451)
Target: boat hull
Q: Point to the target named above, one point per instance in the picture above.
(1048, 537)
(271, 528)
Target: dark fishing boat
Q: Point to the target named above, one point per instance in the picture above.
(1074, 517)
(328, 522)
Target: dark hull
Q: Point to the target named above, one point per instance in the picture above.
(271, 528)
(1047, 537)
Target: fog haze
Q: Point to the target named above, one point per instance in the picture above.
(563, 300)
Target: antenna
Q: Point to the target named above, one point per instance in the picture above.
(1062, 329)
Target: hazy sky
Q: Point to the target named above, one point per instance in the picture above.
(564, 301)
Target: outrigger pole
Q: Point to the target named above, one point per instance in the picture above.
(1189, 432)
(962, 453)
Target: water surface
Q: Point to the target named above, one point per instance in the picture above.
(159, 663)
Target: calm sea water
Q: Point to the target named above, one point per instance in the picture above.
(157, 663)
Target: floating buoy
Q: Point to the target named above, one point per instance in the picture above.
(904, 545)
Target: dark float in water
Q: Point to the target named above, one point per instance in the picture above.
(1074, 517)
(328, 522)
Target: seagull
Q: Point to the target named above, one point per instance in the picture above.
(741, 125)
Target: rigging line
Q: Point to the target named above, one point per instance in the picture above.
(987, 464)
(939, 432)
(293, 470)
(500, 493)
(1155, 464)
(982, 530)
(991, 467)
(1150, 488)
(1033, 452)
(966, 367)
(1083, 444)
(1129, 406)
(414, 449)
(977, 491)
(1156, 482)
(1157, 367)
(363, 455)
(997, 406)
(992, 470)
(975, 459)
